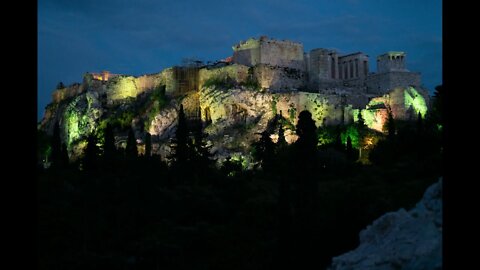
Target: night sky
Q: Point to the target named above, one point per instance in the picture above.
(146, 36)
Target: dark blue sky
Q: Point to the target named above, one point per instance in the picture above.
(146, 36)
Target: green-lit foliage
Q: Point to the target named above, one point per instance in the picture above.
(356, 113)
(274, 104)
(292, 111)
(240, 159)
(155, 103)
(368, 117)
(325, 135)
(80, 119)
(415, 100)
(352, 132)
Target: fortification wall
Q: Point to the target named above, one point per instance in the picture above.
(120, 88)
(282, 53)
(147, 83)
(322, 65)
(237, 72)
(279, 79)
(67, 92)
(381, 83)
(358, 83)
(167, 79)
(247, 52)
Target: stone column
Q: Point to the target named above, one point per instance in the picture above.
(336, 67)
(356, 74)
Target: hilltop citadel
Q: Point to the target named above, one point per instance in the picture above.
(264, 77)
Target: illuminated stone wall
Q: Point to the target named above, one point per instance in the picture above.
(67, 92)
(407, 102)
(273, 52)
(381, 83)
(391, 61)
(247, 52)
(148, 82)
(404, 102)
(186, 80)
(279, 79)
(121, 87)
(322, 67)
(282, 53)
(237, 72)
(167, 79)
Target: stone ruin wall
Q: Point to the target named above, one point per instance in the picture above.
(279, 79)
(67, 92)
(282, 53)
(247, 52)
(381, 83)
(235, 71)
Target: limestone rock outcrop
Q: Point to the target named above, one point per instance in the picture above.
(164, 123)
(401, 240)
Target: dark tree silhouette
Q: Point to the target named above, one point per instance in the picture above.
(60, 85)
(92, 151)
(360, 122)
(338, 144)
(436, 112)
(419, 124)
(350, 150)
(109, 149)
(281, 137)
(264, 151)
(231, 168)
(64, 160)
(56, 147)
(148, 144)
(131, 151)
(390, 125)
(306, 131)
(306, 190)
(181, 150)
(201, 157)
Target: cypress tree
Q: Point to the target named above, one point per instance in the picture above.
(109, 149)
(56, 146)
(131, 151)
(390, 125)
(91, 153)
(148, 144)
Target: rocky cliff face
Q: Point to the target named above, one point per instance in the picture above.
(233, 115)
(401, 240)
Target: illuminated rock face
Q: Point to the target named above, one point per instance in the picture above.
(121, 88)
(164, 124)
(405, 104)
(401, 240)
(80, 118)
(264, 78)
